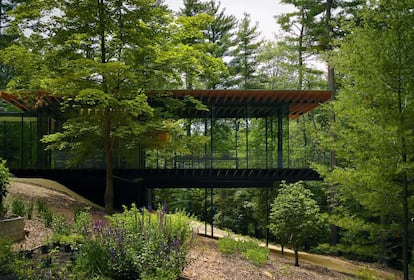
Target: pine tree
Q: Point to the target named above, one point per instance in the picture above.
(373, 138)
(244, 63)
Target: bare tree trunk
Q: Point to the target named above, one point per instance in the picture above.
(296, 257)
(108, 145)
(109, 185)
(405, 183)
(332, 88)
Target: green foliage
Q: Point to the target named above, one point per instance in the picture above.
(45, 212)
(295, 216)
(249, 249)
(22, 209)
(136, 243)
(60, 225)
(4, 181)
(228, 246)
(18, 207)
(371, 134)
(29, 210)
(258, 256)
(6, 257)
(83, 221)
(244, 64)
(92, 260)
(41, 205)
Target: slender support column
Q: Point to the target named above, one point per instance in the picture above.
(272, 143)
(212, 137)
(30, 145)
(22, 142)
(148, 198)
(205, 211)
(280, 139)
(247, 136)
(212, 211)
(5, 136)
(205, 145)
(267, 142)
(236, 129)
(267, 216)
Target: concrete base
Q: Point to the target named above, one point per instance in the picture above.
(12, 228)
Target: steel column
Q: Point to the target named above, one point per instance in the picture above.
(280, 139)
(21, 141)
(212, 211)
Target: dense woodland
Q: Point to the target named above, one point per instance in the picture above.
(103, 54)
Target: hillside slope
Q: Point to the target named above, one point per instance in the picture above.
(204, 260)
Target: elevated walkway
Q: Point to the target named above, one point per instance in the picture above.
(130, 185)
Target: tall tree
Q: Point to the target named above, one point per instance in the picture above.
(373, 134)
(244, 62)
(220, 33)
(7, 35)
(100, 56)
(215, 34)
(315, 25)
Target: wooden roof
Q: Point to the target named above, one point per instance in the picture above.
(226, 103)
(259, 102)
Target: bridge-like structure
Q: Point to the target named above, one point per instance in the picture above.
(254, 122)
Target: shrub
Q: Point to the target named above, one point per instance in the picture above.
(83, 221)
(18, 207)
(47, 218)
(29, 210)
(45, 212)
(4, 181)
(93, 260)
(6, 257)
(142, 244)
(41, 206)
(60, 225)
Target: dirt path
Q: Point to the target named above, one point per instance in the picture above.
(345, 267)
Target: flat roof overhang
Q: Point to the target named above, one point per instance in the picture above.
(254, 103)
(226, 103)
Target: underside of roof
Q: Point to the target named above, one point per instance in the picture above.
(223, 103)
(257, 103)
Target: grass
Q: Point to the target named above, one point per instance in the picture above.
(249, 249)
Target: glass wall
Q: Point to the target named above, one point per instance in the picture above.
(19, 141)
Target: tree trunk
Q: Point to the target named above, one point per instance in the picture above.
(405, 183)
(405, 227)
(331, 87)
(300, 49)
(296, 257)
(109, 187)
(109, 180)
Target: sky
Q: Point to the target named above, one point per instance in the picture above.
(261, 11)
